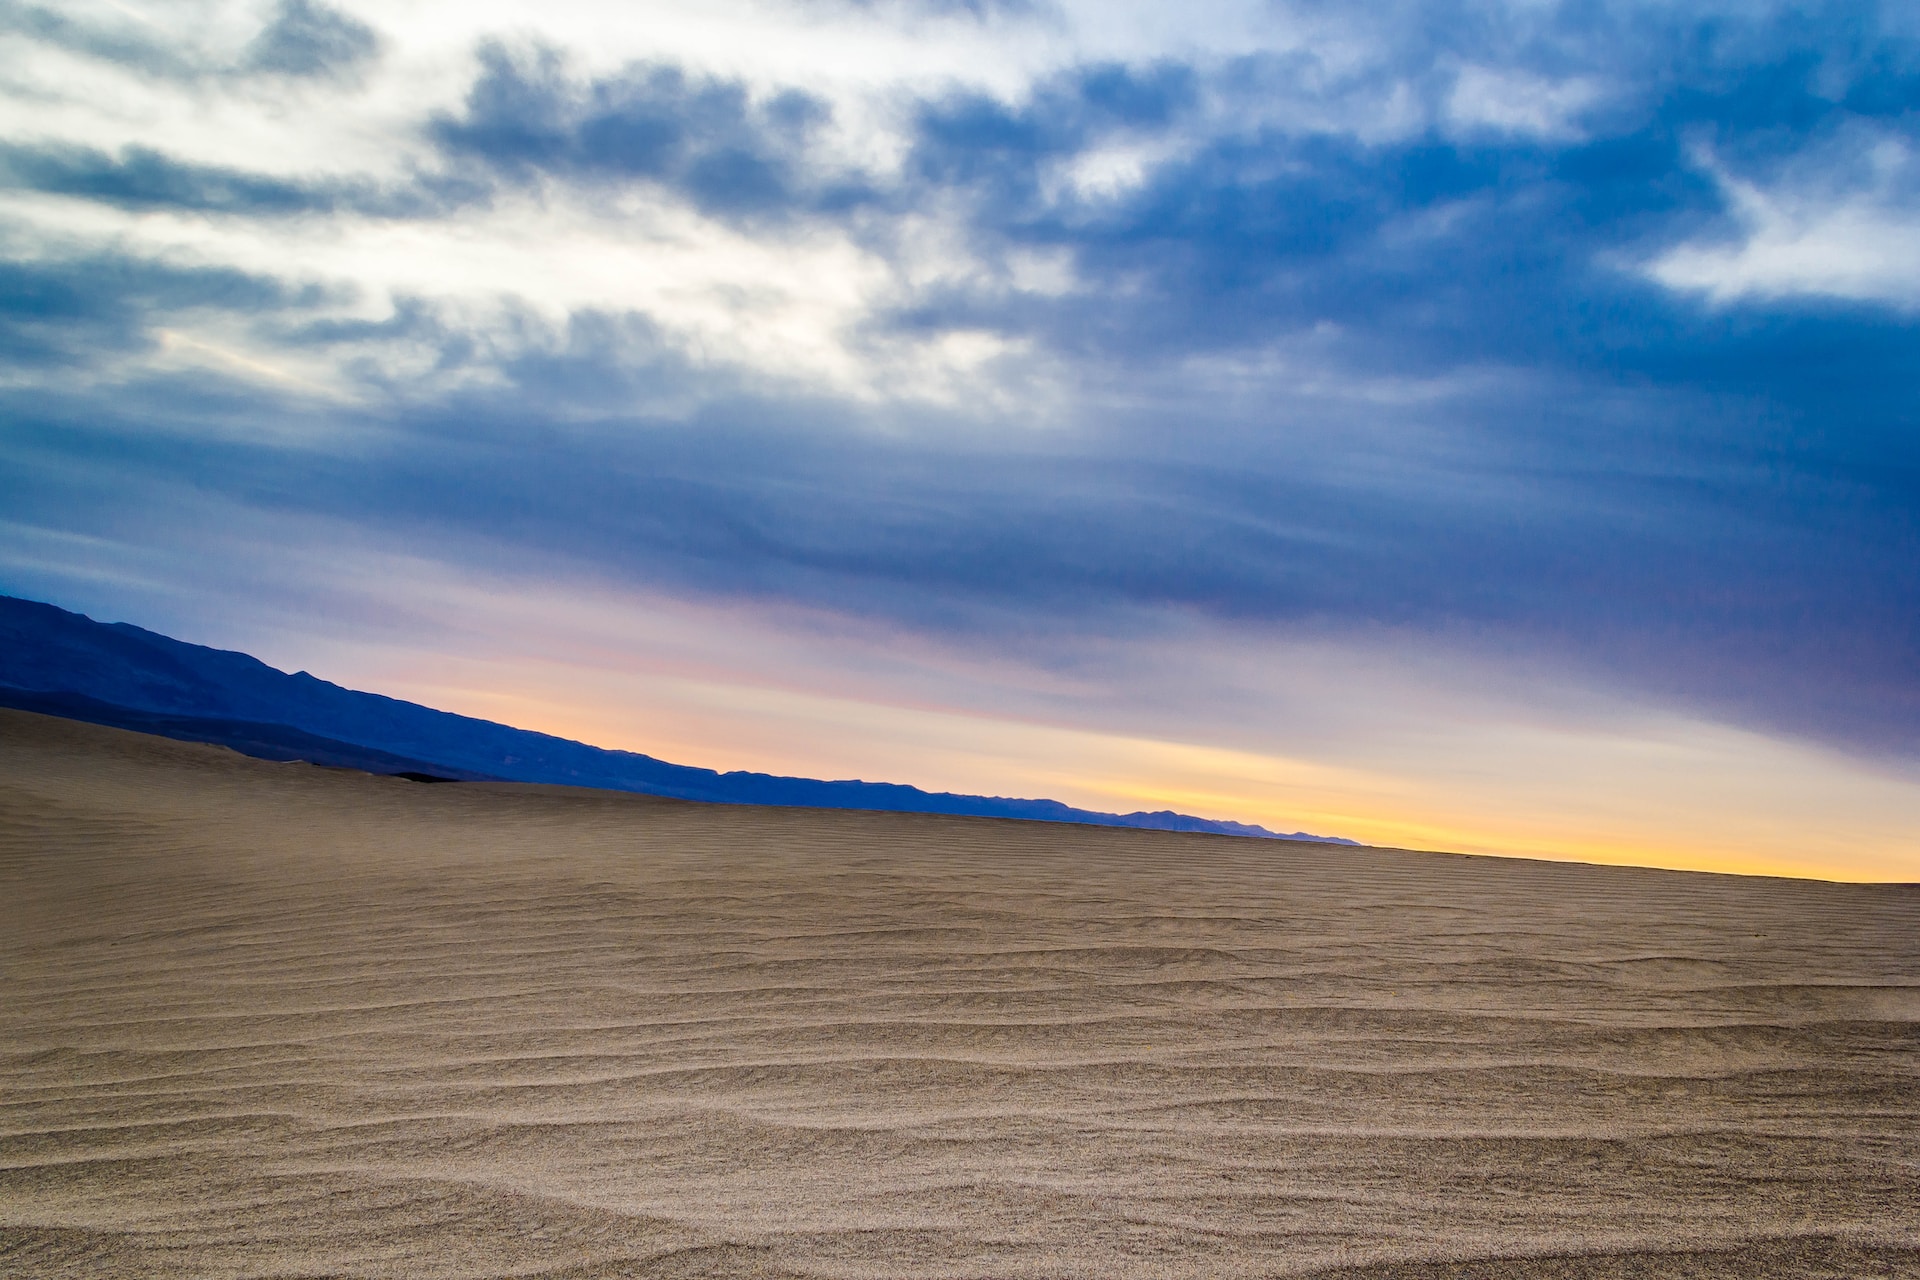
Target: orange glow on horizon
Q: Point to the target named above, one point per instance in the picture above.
(1389, 747)
(1320, 799)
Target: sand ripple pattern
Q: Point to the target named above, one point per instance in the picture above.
(271, 1020)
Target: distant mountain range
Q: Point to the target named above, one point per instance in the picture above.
(66, 664)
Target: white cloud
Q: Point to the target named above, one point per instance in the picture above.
(1858, 241)
(1509, 101)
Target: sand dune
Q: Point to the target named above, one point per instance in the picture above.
(272, 1020)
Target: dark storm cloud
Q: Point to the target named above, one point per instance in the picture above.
(142, 178)
(74, 313)
(301, 39)
(131, 46)
(997, 150)
(731, 154)
(1445, 399)
(308, 39)
(1783, 600)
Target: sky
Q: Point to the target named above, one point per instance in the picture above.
(1476, 426)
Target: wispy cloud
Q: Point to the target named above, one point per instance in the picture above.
(1843, 223)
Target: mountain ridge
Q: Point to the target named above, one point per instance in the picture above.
(130, 677)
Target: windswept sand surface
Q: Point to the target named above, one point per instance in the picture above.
(271, 1020)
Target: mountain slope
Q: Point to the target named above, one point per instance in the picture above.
(116, 673)
(261, 741)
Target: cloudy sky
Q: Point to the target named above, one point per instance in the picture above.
(1478, 426)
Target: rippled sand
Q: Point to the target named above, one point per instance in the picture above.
(272, 1020)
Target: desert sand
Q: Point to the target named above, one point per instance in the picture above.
(267, 1019)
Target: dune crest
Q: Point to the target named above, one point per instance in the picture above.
(274, 1020)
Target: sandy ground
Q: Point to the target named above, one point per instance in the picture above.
(272, 1020)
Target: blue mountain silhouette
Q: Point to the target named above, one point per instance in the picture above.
(66, 664)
